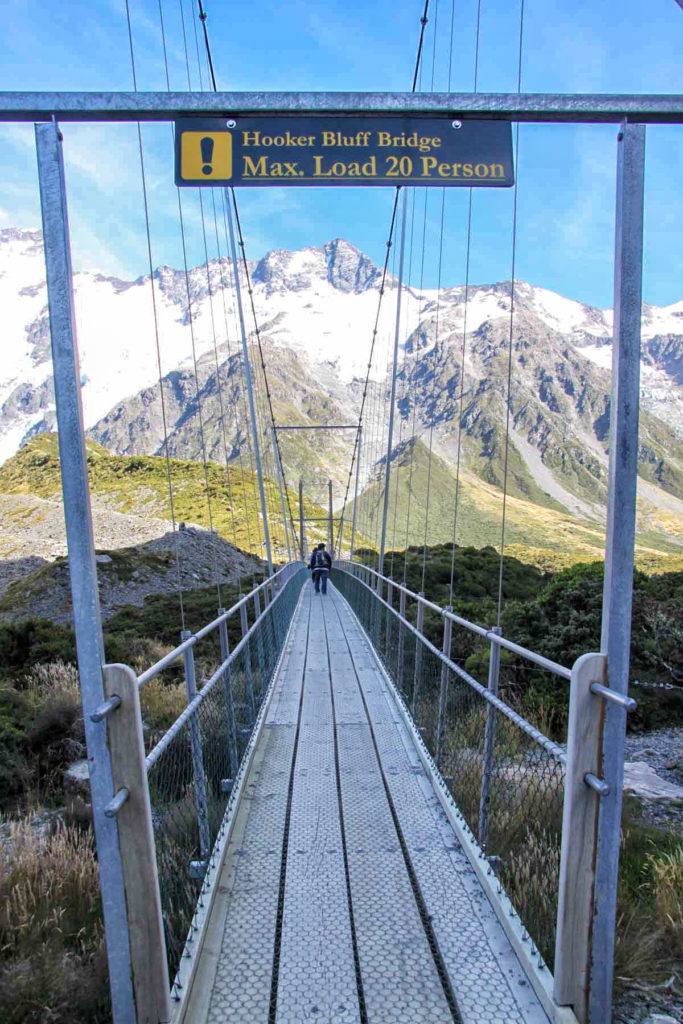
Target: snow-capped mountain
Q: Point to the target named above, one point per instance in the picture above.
(316, 310)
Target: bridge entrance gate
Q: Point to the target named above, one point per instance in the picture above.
(168, 815)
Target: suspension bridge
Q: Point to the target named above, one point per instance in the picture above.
(345, 824)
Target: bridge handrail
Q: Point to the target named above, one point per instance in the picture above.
(496, 638)
(191, 708)
(554, 749)
(168, 659)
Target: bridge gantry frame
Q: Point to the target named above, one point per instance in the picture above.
(129, 795)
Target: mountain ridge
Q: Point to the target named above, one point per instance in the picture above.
(315, 307)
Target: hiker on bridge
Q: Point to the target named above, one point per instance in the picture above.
(320, 566)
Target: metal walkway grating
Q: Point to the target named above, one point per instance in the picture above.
(344, 894)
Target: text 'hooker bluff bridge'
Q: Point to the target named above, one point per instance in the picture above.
(344, 824)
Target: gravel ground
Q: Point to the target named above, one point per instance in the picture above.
(663, 751)
(647, 1008)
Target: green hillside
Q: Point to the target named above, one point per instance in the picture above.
(534, 533)
(139, 484)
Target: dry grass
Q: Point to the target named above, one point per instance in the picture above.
(667, 886)
(52, 960)
(56, 681)
(649, 949)
(161, 703)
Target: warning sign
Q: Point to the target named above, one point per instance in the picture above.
(324, 150)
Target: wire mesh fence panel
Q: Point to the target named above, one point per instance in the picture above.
(191, 773)
(510, 790)
(508, 785)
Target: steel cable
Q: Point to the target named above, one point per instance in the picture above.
(512, 316)
(164, 419)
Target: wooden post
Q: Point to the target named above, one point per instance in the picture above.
(579, 837)
(151, 985)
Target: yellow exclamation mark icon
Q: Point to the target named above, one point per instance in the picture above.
(206, 156)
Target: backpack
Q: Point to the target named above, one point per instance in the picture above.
(320, 560)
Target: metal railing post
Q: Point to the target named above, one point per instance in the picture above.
(418, 658)
(229, 703)
(302, 528)
(443, 690)
(133, 813)
(576, 895)
(377, 613)
(82, 566)
(489, 741)
(355, 497)
(200, 801)
(389, 618)
(248, 675)
(330, 527)
(259, 645)
(621, 517)
(400, 659)
(278, 471)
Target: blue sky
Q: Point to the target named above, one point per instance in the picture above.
(566, 173)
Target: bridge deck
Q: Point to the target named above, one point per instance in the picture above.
(344, 894)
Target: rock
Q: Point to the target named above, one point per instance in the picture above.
(643, 781)
(77, 779)
(67, 749)
(660, 1018)
(103, 559)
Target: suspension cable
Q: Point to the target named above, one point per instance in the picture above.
(512, 316)
(240, 242)
(461, 400)
(164, 419)
(416, 73)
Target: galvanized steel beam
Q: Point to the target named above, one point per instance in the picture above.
(166, 106)
(621, 524)
(82, 566)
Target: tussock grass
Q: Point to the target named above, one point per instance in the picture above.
(649, 949)
(52, 958)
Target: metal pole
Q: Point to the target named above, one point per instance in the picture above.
(304, 549)
(250, 392)
(330, 534)
(489, 742)
(82, 566)
(392, 400)
(278, 470)
(401, 640)
(355, 498)
(621, 510)
(584, 108)
(229, 703)
(418, 659)
(259, 645)
(443, 691)
(248, 674)
(389, 617)
(200, 801)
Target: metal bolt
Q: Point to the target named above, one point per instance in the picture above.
(456, 124)
(231, 123)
